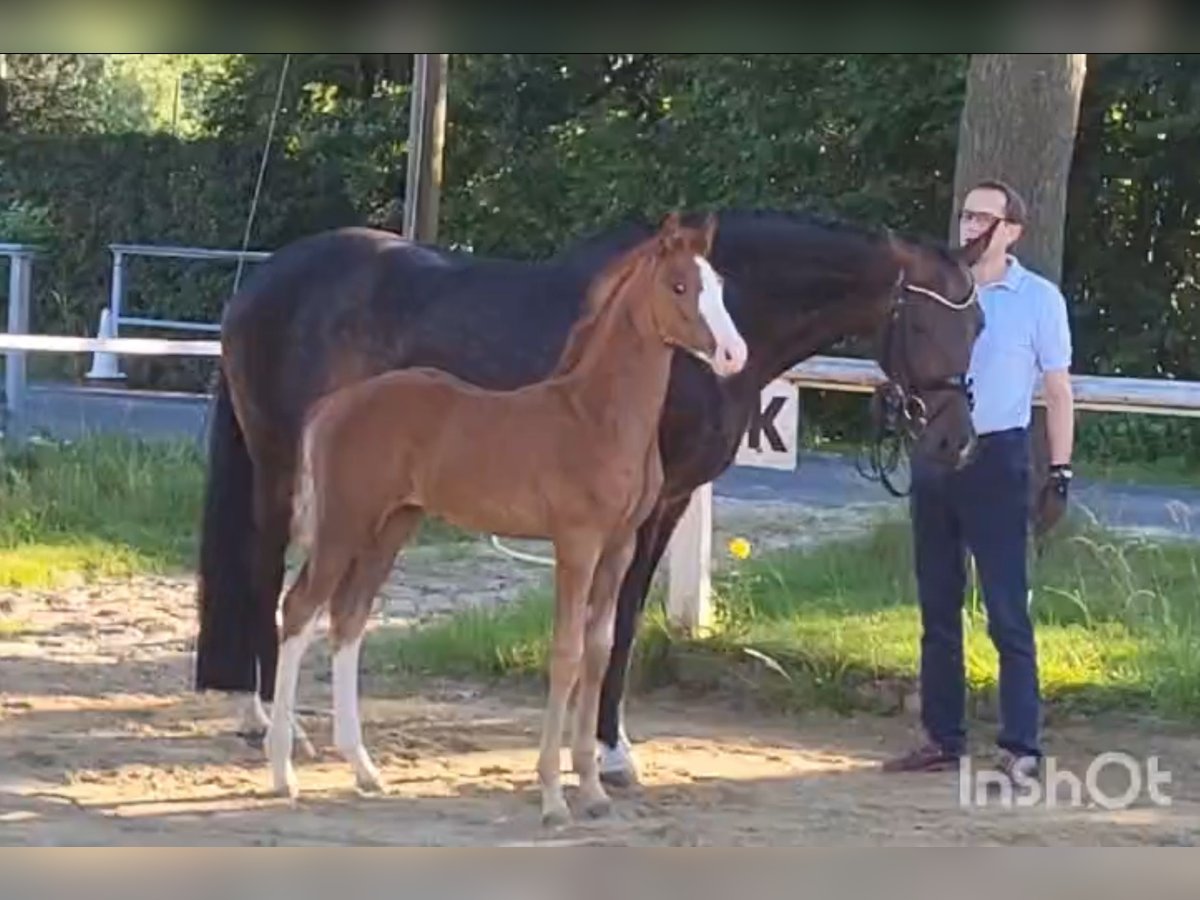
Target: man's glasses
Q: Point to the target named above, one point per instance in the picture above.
(976, 217)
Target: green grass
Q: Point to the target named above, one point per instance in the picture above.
(109, 506)
(1117, 628)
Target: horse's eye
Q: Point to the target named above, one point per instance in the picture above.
(679, 287)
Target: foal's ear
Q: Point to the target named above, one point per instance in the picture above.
(670, 234)
(708, 233)
(670, 224)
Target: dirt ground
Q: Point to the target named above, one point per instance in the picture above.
(101, 742)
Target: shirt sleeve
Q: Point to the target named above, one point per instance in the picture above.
(1052, 340)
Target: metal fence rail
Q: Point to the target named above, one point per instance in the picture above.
(116, 299)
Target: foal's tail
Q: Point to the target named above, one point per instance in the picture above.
(225, 647)
(304, 499)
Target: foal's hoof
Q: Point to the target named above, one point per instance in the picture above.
(369, 782)
(556, 818)
(288, 789)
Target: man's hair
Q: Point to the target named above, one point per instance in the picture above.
(1014, 204)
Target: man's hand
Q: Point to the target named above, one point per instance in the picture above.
(1052, 498)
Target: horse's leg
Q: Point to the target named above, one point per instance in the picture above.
(617, 766)
(312, 590)
(602, 607)
(349, 612)
(575, 561)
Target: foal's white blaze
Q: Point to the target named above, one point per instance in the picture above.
(731, 346)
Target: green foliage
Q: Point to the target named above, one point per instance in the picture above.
(154, 189)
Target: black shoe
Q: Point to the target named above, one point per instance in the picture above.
(929, 757)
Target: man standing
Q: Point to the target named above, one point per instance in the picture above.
(984, 508)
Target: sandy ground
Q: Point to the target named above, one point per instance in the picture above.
(101, 742)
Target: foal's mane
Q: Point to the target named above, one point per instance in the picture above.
(604, 291)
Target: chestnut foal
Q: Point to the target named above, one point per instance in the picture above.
(574, 459)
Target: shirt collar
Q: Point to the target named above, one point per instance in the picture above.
(1013, 275)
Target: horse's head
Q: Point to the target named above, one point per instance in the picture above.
(687, 297)
(925, 349)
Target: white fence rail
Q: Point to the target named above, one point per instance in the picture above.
(689, 556)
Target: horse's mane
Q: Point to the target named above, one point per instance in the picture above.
(602, 292)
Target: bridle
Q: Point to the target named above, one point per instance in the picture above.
(898, 412)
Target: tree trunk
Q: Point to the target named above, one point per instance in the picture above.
(1018, 124)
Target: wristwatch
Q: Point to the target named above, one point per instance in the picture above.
(1061, 474)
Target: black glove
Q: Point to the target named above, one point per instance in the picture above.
(1052, 499)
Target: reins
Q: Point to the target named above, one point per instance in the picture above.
(898, 413)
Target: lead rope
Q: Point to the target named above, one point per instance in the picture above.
(237, 278)
(262, 169)
(521, 555)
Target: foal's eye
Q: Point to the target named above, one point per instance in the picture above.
(679, 287)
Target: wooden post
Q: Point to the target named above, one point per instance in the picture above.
(689, 587)
(20, 278)
(427, 129)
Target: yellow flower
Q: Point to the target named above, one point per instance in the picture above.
(739, 547)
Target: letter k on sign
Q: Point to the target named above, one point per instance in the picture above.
(770, 439)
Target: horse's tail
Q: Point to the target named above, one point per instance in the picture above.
(225, 647)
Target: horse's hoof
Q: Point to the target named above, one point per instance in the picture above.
(599, 808)
(619, 778)
(556, 817)
(617, 766)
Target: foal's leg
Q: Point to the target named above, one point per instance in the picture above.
(602, 607)
(575, 562)
(267, 551)
(307, 596)
(349, 612)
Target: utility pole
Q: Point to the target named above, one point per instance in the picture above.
(3, 91)
(427, 130)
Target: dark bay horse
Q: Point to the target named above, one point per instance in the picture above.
(333, 308)
(573, 459)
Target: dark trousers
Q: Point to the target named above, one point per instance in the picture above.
(983, 509)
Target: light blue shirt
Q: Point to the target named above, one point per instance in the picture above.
(1026, 333)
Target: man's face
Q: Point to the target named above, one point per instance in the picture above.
(982, 208)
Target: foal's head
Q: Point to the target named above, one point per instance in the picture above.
(686, 297)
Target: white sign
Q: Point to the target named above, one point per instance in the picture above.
(771, 438)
